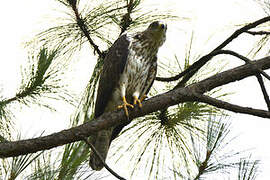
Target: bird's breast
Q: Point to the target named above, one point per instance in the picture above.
(135, 74)
(133, 78)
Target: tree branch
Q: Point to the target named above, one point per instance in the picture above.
(258, 75)
(218, 52)
(188, 73)
(84, 29)
(264, 91)
(231, 107)
(101, 159)
(258, 32)
(126, 19)
(173, 97)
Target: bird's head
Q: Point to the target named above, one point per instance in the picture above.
(157, 32)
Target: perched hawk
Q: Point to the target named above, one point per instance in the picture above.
(128, 73)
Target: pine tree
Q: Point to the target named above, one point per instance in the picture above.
(184, 137)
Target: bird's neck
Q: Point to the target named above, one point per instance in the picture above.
(146, 45)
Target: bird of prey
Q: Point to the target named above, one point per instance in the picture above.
(128, 73)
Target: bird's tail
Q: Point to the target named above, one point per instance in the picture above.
(102, 143)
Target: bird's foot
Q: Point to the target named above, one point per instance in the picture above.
(125, 105)
(143, 98)
(139, 101)
(136, 100)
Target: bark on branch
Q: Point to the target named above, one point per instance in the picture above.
(232, 107)
(258, 75)
(83, 27)
(173, 97)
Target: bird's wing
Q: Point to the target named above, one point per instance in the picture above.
(114, 64)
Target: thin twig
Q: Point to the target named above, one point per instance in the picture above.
(84, 29)
(264, 91)
(204, 165)
(233, 53)
(258, 32)
(218, 52)
(101, 159)
(264, 74)
(258, 76)
(227, 106)
(188, 73)
(126, 19)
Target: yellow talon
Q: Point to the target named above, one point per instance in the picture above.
(143, 98)
(136, 100)
(125, 105)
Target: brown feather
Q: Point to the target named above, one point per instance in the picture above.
(129, 71)
(114, 64)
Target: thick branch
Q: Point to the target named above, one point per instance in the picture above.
(232, 75)
(173, 97)
(258, 75)
(218, 52)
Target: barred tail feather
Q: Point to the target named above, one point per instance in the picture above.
(102, 144)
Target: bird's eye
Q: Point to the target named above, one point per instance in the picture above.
(162, 26)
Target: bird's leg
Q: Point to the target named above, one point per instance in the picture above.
(125, 105)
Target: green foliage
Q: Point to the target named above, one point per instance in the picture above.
(6, 123)
(44, 169)
(98, 18)
(248, 169)
(41, 79)
(68, 35)
(161, 143)
(33, 82)
(263, 41)
(12, 168)
(157, 143)
(74, 156)
(214, 156)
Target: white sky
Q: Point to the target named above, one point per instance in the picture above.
(209, 17)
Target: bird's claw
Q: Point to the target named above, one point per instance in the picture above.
(136, 100)
(125, 105)
(139, 101)
(143, 98)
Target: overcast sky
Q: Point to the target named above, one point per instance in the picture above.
(21, 19)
